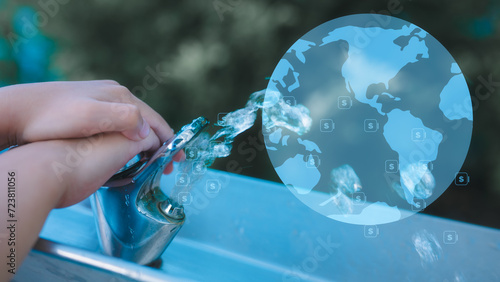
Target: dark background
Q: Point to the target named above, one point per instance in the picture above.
(214, 54)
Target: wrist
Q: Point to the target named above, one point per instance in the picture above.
(11, 127)
(48, 153)
(34, 161)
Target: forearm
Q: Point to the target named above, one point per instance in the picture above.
(28, 194)
(66, 110)
(53, 174)
(20, 106)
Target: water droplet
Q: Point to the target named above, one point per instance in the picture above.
(427, 247)
(277, 112)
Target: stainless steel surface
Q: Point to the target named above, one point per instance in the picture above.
(135, 220)
(51, 261)
(253, 230)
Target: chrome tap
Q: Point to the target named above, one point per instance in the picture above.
(135, 220)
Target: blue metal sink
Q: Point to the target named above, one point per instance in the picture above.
(254, 230)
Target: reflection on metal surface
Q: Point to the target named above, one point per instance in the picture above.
(56, 262)
(242, 235)
(135, 220)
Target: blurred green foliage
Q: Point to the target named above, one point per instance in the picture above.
(212, 54)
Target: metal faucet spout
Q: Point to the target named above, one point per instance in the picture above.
(135, 220)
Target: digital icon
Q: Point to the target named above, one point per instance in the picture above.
(213, 186)
(371, 125)
(185, 198)
(345, 102)
(191, 153)
(462, 179)
(182, 179)
(391, 166)
(418, 134)
(326, 125)
(419, 205)
(358, 198)
(371, 231)
(199, 167)
(427, 165)
(313, 161)
(220, 116)
(290, 100)
(450, 237)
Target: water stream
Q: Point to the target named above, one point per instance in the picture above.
(207, 147)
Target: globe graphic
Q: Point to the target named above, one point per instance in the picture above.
(391, 119)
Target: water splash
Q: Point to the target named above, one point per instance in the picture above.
(427, 247)
(459, 277)
(236, 122)
(276, 113)
(345, 179)
(342, 202)
(420, 178)
(344, 182)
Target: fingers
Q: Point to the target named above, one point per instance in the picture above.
(86, 117)
(116, 93)
(124, 118)
(60, 110)
(179, 157)
(168, 169)
(103, 157)
(155, 120)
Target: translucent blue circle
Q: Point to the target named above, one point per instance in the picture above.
(390, 119)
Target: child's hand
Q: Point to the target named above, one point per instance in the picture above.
(61, 110)
(74, 137)
(58, 173)
(80, 166)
